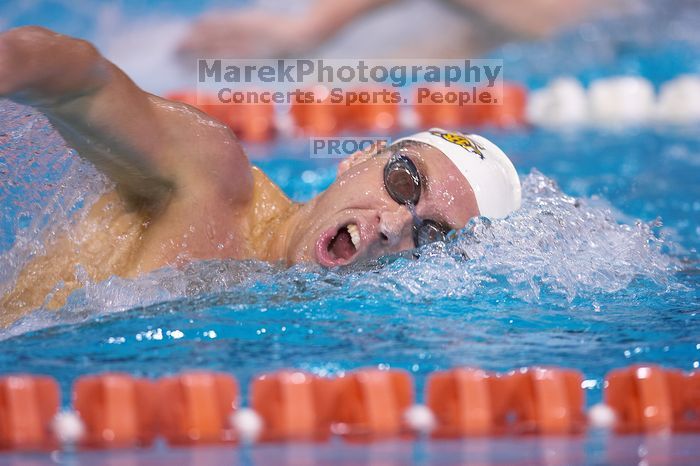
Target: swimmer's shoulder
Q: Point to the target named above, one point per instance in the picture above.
(210, 158)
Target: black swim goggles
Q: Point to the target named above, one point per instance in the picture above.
(402, 181)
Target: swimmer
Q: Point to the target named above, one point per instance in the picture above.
(449, 28)
(185, 190)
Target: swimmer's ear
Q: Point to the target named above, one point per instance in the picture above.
(358, 157)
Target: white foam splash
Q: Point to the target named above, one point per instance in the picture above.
(30, 151)
(572, 246)
(565, 246)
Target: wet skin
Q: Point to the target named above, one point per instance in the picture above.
(184, 188)
(358, 196)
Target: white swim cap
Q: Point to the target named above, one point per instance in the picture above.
(488, 170)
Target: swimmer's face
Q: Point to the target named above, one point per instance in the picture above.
(357, 219)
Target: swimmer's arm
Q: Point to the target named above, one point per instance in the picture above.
(257, 32)
(531, 19)
(327, 18)
(149, 146)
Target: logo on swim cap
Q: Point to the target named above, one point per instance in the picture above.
(462, 141)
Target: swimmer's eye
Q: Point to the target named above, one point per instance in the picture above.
(402, 180)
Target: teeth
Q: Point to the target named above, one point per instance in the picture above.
(354, 234)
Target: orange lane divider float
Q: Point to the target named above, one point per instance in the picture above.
(469, 402)
(317, 113)
(293, 405)
(464, 402)
(372, 110)
(435, 111)
(371, 403)
(650, 398)
(508, 112)
(117, 410)
(546, 401)
(195, 408)
(27, 406)
(439, 106)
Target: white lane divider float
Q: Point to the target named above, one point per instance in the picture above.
(621, 100)
(248, 424)
(601, 416)
(617, 101)
(562, 103)
(68, 427)
(679, 100)
(420, 419)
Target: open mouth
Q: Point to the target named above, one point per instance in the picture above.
(339, 247)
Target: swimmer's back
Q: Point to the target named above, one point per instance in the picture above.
(100, 245)
(116, 239)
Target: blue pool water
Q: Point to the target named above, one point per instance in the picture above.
(598, 270)
(600, 277)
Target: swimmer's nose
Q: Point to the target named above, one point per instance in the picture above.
(395, 226)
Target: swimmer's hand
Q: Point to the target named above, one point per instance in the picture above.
(33, 69)
(247, 34)
(533, 19)
(153, 149)
(260, 34)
